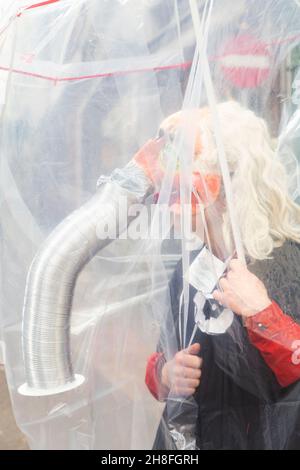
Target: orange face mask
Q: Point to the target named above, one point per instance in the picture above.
(152, 158)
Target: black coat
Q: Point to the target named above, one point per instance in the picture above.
(239, 403)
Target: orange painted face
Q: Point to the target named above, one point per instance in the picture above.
(155, 154)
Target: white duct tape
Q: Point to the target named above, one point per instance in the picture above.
(36, 392)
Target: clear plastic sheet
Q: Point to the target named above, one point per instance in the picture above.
(189, 116)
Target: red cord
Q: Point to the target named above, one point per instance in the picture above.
(36, 5)
(56, 80)
(99, 75)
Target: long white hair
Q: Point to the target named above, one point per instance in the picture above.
(266, 214)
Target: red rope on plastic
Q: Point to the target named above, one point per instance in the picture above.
(120, 73)
(36, 5)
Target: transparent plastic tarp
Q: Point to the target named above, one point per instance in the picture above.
(145, 144)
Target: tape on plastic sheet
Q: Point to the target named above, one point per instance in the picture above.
(27, 391)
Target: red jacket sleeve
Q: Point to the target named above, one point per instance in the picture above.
(277, 337)
(152, 378)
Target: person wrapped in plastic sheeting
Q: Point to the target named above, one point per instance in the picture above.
(243, 372)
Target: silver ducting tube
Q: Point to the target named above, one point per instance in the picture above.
(52, 277)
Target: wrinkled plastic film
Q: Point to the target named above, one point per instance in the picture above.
(92, 87)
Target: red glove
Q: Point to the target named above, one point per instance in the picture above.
(277, 337)
(152, 378)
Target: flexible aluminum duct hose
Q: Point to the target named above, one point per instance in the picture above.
(52, 277)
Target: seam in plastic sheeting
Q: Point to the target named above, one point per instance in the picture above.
(219, 141)
(193, 96)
